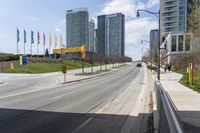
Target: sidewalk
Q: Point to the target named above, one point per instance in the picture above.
(185, 99)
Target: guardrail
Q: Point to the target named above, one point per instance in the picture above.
(168, 119)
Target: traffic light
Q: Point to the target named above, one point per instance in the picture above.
(64, 68)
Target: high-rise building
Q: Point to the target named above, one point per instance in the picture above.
(110, 35)
(91, 45)
(173, 16)
(173, 21)
(77, 27)
(95, 40)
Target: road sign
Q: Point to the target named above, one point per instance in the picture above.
(64, 69)
(23, 60)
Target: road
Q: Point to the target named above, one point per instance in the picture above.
(97, 105)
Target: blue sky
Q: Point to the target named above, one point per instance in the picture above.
(49, 16)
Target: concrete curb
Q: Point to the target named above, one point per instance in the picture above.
(98, 75)
(155, 114)
(155, 110)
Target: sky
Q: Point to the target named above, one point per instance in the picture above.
(48, 16)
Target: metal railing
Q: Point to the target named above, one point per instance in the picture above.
(168, 119)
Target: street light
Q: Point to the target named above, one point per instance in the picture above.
(157, 14)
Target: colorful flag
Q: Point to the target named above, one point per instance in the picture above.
(56, 40)
(24, 36)
(18, 39)
(32, 37)
(44, 39)
(50, 39)
(38, 38)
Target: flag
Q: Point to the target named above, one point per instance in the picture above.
(50, 39)
(32, 37)
(61, 41)
(38, 38)
(18, 35)
(44, 39)
(24, 36)
(56, 40)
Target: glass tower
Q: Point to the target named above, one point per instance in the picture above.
(110, 35)
(91, 35)
(77, 27)
(173, 16)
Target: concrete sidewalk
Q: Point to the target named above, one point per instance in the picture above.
(185, 99)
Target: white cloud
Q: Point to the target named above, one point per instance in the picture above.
(63, 21)
(127, 7)
(57, 29)
(152, 3)
(136, 29)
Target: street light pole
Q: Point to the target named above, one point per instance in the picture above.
(157, 14)
(158, 56)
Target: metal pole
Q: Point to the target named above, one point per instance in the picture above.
(64, 77)
(24, 49)
(44, 50)
(38, 50)
(17, 49)
(82, 67)
(31, 49)
(158, 56)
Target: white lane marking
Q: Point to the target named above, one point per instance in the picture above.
(63, 95)
(82, 125)
(21, 93)
(88, 120)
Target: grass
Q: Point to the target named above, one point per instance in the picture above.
(184, 80)
(34, 68)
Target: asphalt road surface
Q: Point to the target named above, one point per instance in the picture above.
(98, 105)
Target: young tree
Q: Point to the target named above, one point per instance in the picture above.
(47, 53)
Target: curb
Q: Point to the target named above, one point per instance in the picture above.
(155, 110)
(94, 76)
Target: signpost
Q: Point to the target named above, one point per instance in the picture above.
(83, 56)
(81, 49)
(64, 70)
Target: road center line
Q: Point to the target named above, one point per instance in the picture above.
(25, 92)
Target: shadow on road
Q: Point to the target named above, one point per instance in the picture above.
(190, 121)
(29, 121)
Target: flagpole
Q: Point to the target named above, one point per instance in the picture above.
(50, 43)
(31, 50)
(31, 43)
(17, 49)
(24, 49)
(24, 41)
(17, 41)
(38, 34)
(44, 44)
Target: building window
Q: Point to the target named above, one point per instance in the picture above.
(173, 43)
(180, 43)
(187, 42)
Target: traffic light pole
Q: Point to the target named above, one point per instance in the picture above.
(82, 66)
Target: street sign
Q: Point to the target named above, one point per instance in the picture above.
(64, 69)
(23, 60)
